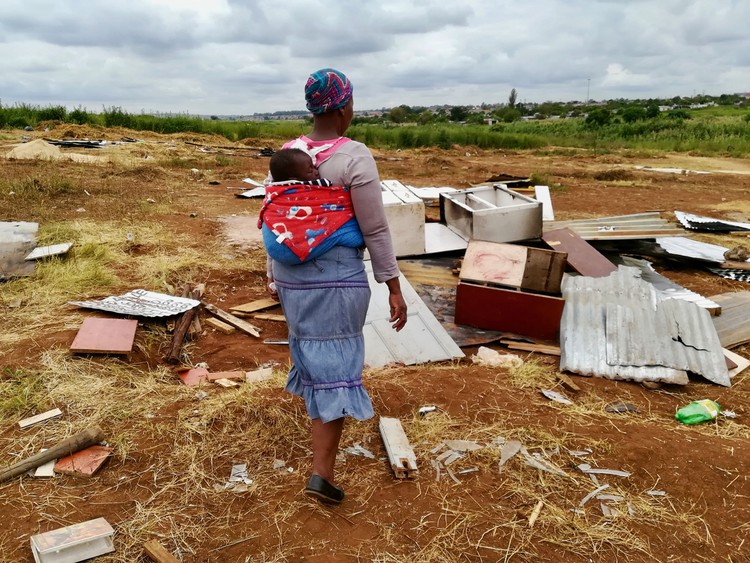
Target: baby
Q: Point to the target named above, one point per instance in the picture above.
(292, 164)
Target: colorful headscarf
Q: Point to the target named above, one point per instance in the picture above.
(326, 90)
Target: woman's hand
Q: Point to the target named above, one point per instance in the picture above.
(271, 288)
(397, 304)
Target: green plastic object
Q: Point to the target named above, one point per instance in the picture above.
(698, 411)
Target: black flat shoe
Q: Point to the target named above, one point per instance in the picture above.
(322, 490)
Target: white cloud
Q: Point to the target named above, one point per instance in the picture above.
(243, 56)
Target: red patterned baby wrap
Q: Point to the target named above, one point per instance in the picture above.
(303, 214)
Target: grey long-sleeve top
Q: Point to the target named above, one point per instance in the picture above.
(353, 165)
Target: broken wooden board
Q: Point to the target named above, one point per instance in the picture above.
(270, 317)
(225, 375)
(253, 306)
(527, 314)
(105, 336)
(77, 542)
(46, 251)
(84, 463)
(221, 326)
(741, 363)
(158, 553)
(41, 417)
(193, 377)
(47, 470)
(531, 347)
(400, 453)
(582, 257)
(258, 375)
(513, 265)
(230, 319)
(733, 325)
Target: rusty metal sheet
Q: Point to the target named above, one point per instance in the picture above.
(621, 227)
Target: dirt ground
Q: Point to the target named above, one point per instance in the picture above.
(174, 451)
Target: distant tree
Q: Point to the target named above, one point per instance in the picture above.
(425, 117)
(459, 113)
(398, 114)
(512, 98)
(652, 111)
(507, 114)
(214, 118)
(79, 116)
(679, 114)
(598, 117)
(633, 113)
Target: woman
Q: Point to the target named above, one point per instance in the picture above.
(325, 299)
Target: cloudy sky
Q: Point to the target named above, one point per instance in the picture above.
(246, 56)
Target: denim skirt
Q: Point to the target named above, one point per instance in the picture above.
(325, 304)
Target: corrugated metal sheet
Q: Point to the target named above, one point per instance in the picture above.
(667, 288)
(423, 339)
(700, 223)
(621, 227)
(618, 327)
(689, 248)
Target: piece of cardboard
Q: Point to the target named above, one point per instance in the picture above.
(84, 463)
(105, 336)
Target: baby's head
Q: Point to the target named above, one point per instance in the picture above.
(292, 164)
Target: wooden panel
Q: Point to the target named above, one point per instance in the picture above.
(582, 257)
(253, 306)
(494, 263)
(85, 462)
(400, 453)
(158, 552)
(494, 308)
(514, 265)
(36, 419)
(733, 325)
(220, 325)
(105, 336)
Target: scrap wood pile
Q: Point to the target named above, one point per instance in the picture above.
(605, 315)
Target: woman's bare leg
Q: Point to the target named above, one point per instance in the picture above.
(325, 446)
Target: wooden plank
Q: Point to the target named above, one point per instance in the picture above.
(541, 193)
(158, 553)
(494, 263)
(253, 306)
(221, 326)
(733, 265)
(582, 257)
(105, 336)
(258, 375)
(36, 419)
(236, 322)
(740, 363)
(400, 453)
(544, 270)
(733, 325)
(226, 382)
(84, 463)
(225, 375)
(47, 470)
(531, 347)
(505, 310)
(270, 317)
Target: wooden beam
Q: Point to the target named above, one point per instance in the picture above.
(228, 318)
(26, 422)
(270, 317)
(69, 446)
(221, 326)
(157, 552)
(400, 453)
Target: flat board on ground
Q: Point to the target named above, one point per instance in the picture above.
(105, 336)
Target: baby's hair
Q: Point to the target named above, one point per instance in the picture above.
(284, 163)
